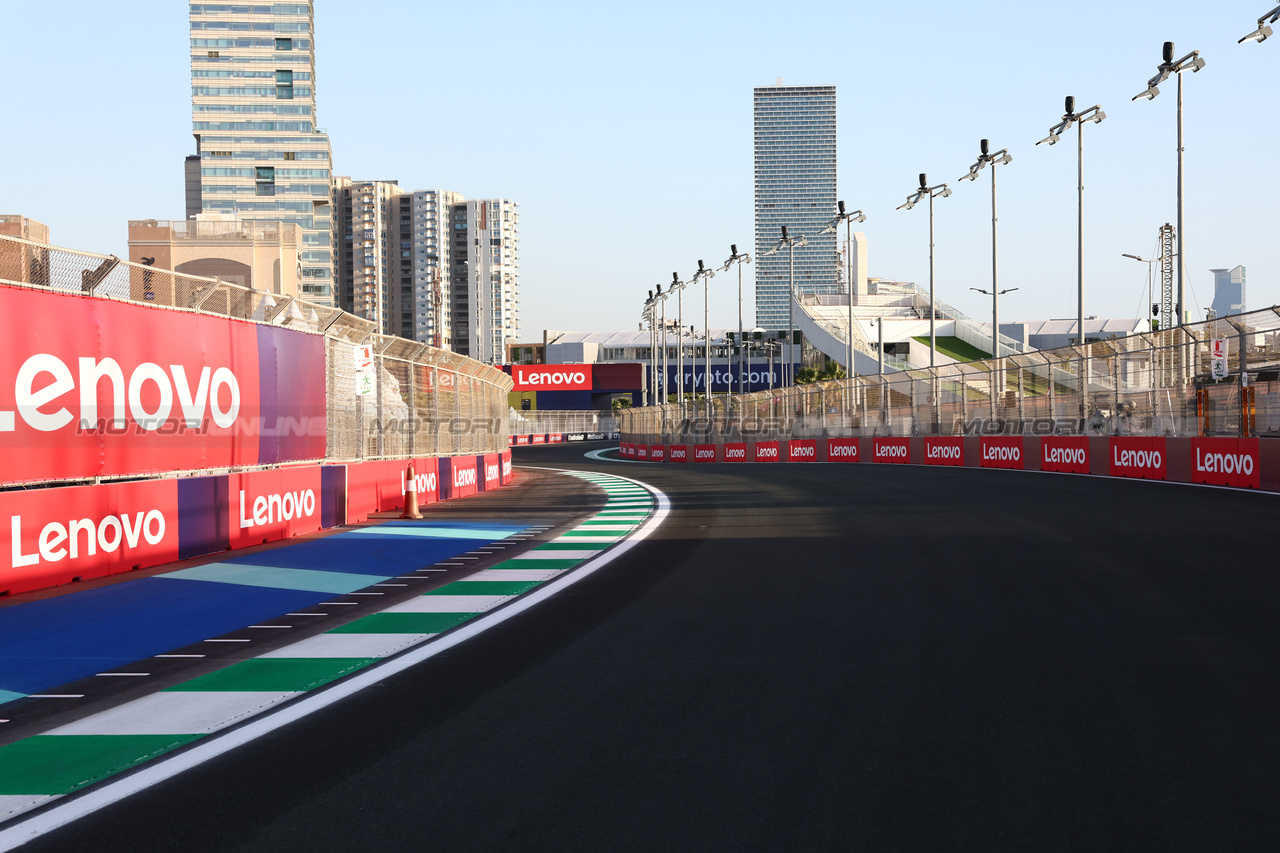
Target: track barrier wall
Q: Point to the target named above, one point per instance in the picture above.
(148, 416)
(1245, 463)
(58, 535)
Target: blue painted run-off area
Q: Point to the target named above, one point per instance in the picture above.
(54, 641)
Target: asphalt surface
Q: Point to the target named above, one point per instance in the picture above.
(819, 657)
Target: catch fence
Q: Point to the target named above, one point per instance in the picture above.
(1160, 383)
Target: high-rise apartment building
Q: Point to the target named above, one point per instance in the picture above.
(367, 243)
(432, 271)
(485, 273)
(1228, 291)
(253, 104)
(795, 185)
(429, 265)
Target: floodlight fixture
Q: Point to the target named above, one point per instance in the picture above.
(1191, 62)
(1263, 31)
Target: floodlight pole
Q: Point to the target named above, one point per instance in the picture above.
(744, 258)
(912, 200)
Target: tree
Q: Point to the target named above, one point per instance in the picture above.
(621, 403)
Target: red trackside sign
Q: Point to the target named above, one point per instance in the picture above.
(1001, 451)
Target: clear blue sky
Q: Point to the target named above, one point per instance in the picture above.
(624, 131)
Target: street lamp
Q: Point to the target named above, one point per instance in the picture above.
(735, 258)
(1001, 158)
(647, 314)
(912, 200)
(1155, 308)
(1261, 33)
(791, 243)
(1193, 62)
(1095, 115)
(678, 286)
(706, 275)
(665, 383)
(848, 219)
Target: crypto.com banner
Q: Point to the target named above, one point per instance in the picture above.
(96, 388)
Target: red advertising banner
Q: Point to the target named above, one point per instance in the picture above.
(895, 450)
(464, 476)
(50, 536)
(767, 451)
(492, 471)
(802, 450)
(1226, 462)
(538, 439)
(94, 387)
(1065, 454)
(522, 440)
(842, 450)
(658, 453)
(276, 504)
(944, 451)
(551, 377)
(678, 453)
(555, 437)
(506, 468)
(642, 451)
(735, 452)
(1001, 451)
(704, 453)
(1142, 458)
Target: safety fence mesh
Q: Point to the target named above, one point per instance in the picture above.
(550, 421)
(1161, 383)
(422, 401)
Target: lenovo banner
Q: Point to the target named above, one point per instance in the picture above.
(704, 453)
(1064, 454)
(895, 450)
(658, 453)
(1142, 458)
(678, 453)
(1001, 451)
(93, 387)
(50, 536)
(276, 504)
(1226, 462)
(802, 450)
(551, 377)
(492, 463)
(944, 451)
(642, 452)
(767, 451)
(842, 450)
(735, 452)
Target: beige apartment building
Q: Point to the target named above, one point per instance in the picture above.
(27, 264)
(250, 253)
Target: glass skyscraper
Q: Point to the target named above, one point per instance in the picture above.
(795, 174)
(253, 103)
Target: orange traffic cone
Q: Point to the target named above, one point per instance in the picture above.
(411, 496)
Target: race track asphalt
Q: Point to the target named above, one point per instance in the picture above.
(812, 657)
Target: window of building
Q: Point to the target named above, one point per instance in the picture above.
(213, 54)
(289, 155)
(284, 44)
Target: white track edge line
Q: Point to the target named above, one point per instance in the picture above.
(163, 769)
